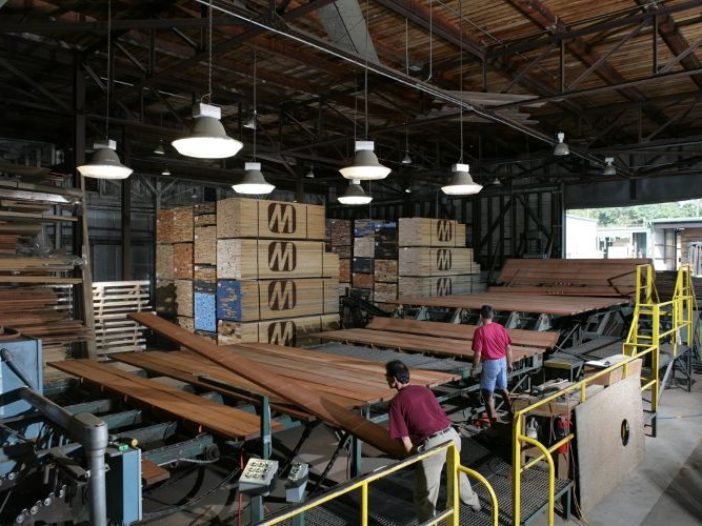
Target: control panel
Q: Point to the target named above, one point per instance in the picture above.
(296, 482)
(258, 474)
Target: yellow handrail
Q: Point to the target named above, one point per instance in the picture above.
(453, 468)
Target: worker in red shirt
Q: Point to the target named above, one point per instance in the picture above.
(492, 346)
(419, 422)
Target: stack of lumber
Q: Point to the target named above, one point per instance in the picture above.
(433, 258)
(112, 301)
(275, 281)
(374, 274)
(443, 339)
(37, 279)
(340, 242)
(571, 277)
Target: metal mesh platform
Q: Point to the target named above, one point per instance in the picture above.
(390, 499)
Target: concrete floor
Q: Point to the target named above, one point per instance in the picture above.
(665, 489)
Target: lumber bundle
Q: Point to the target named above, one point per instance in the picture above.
(288, 331)
(240, 262)
(112, 301)
(430, 261)
(442, 285)
(426, 232)
(340, 242)
(572, 277)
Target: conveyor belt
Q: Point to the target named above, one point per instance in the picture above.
(518, 302)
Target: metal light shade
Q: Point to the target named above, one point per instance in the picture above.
(253, 182)
(207, 140)
(365, 165)
(609, 168)
(355, 195)
(251, 123)
(310, 173)
(407, 159)
(496, 182)
(165, 171)
(160, 150)
(105, 164)
(561, 149)
(461, 182)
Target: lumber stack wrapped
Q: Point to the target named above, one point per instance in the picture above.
(431, 261)
(340, 241)
(249, 218)
(294, 332)
(253, 259)
(426, 232)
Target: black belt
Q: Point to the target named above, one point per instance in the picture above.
(439, 433)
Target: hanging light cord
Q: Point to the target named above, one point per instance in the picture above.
(460, 72)
(406, 73)
(254, 105)
(365, 72)
(208, 96)
(109, 70)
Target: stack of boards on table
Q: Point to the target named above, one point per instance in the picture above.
(434, 259)
(39, 282)
(247, 271)
(340, 241)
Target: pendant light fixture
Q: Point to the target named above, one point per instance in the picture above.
(609, 168)
(310, 173)
(165, 171)
(461, 181)
(105, 163)
(160, 150)
(365, 165)
(208, 138)
(253, 182)
(561, 149)
(355, 195)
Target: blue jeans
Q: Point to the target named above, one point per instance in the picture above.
(494, 375)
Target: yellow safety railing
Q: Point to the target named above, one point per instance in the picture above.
(637, 346)
(450, 515)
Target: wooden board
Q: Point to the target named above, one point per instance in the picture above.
(291, 332)
(206, 273)
(603, 460)
(205, 250)
(273, 299)
(417, 343)
(184, 297)
(330, 265)
(345, 270)
(516, 302)
(183, 260)
(459, 331)
(438, 285)
(183, 224)
(165, 262)
(165, 219)
(323, 407)
(424, 261)
(246, 259)
(385, 270)
(577, 277)
(248, 218)
(209, 415)
(426, 232)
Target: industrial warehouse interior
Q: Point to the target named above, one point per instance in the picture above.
(325, 262)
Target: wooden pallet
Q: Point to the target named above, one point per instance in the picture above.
(112, 301)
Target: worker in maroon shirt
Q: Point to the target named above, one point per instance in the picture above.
(492, 346)
(419, 422)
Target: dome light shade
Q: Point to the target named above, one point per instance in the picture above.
(365, 165)
(160, 150)
(461, 182)
(407, 159)
(609, 168)
(561, 149)
(310, 173)
(105, 163)
(207, 139)
(355, 195)
(165, 171)
(253, 182)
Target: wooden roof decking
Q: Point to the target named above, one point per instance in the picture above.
(508, 301)
(206, 414)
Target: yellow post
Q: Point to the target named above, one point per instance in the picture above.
(656, 353)
(551, 517)
(364, 504)
(454, 493)
(516, 469)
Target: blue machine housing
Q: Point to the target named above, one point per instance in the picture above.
(26, 355)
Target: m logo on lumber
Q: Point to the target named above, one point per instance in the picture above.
(282, 218)
(282, 256)
(443, 259)
(444, 286)
(282, 333)
(282, 295)
(444, 230)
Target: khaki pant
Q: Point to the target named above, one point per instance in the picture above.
(428, 478)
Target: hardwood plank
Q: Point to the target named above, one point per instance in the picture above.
(153, 473)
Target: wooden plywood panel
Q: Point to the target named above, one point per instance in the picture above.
(205, 250)
(183, 224)
(183, 260)
(165, 264)
(247, 259)
(425, 261)
(426, 232)
(164, 226)
(603, 459)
